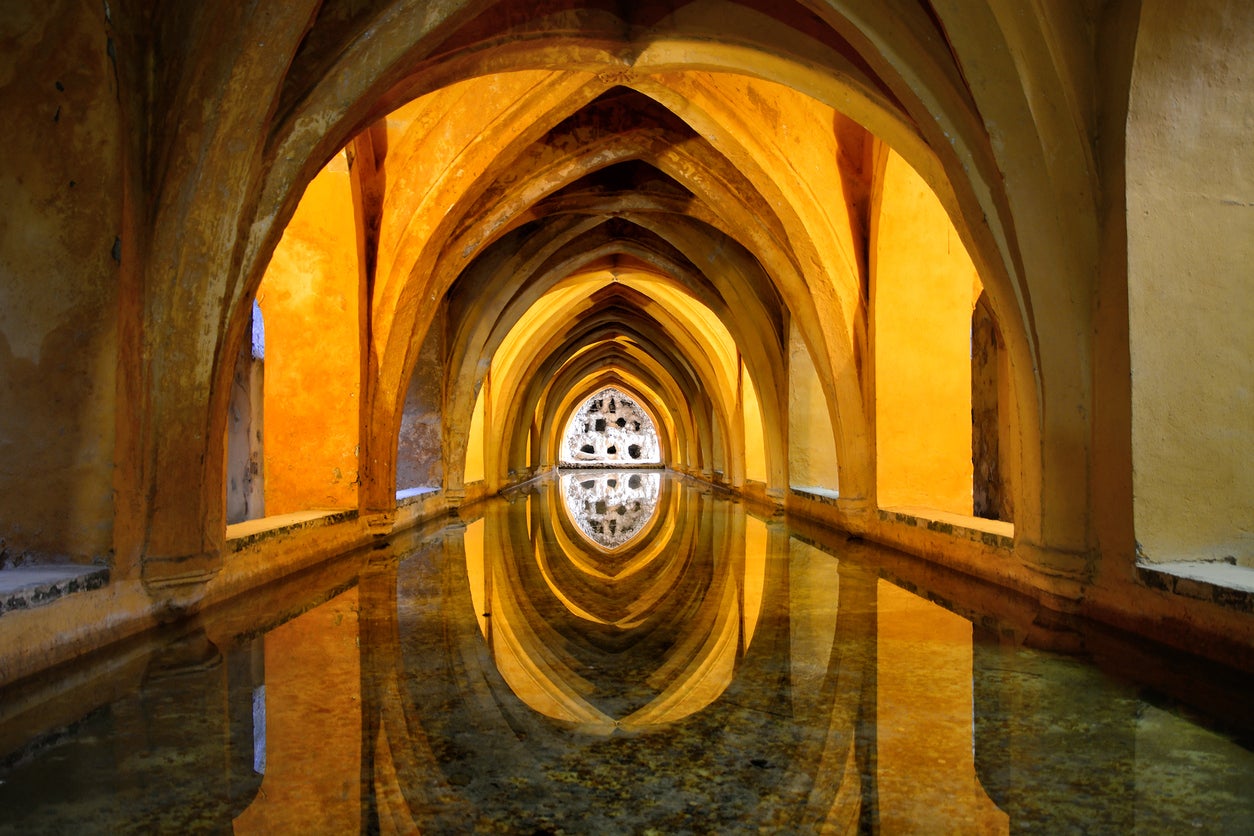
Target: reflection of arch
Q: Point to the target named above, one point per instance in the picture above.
(821, 766)
(668, 592)
(589, 586)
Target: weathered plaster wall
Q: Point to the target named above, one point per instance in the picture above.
(420, 456)
(310, 299)
(61, 189)
(811, 442)
(921, 302)
(1190, 176)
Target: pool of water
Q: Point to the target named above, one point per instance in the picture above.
(629, 653)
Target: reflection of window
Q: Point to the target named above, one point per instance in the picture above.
(610, 428)
(611, 508)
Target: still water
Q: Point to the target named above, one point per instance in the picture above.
(627, 653)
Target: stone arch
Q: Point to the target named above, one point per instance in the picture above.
(486, 297)
(210, 271)
(654, 331)
(777, 465)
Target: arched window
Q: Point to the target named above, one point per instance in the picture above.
(610, 429)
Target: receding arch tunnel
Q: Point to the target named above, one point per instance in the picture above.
(727, 216)
(620, 243)
(734, 155)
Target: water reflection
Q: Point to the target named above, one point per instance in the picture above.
(716, 674)
(611, 508)
(627, 640)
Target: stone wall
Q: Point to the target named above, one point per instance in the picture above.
(990, 428)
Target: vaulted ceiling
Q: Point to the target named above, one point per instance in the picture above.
(708, 173)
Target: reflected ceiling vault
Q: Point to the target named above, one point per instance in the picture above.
(625, 639)
(740, 687)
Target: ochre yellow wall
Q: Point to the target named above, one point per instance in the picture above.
(474, 440)
(753, 576)
(310, 300)
(922, 299)
(1190, 175)
(811, 441)
(755, 442)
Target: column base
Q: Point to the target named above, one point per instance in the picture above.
(379, 523)
(177, 584)
(1060, 576)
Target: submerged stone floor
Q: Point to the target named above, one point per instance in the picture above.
(714, 673)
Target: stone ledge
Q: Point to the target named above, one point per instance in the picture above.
(821, 495)
(241, 535)
(24, 587)
(989, 532)
(409, 496)
(1221, 583)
